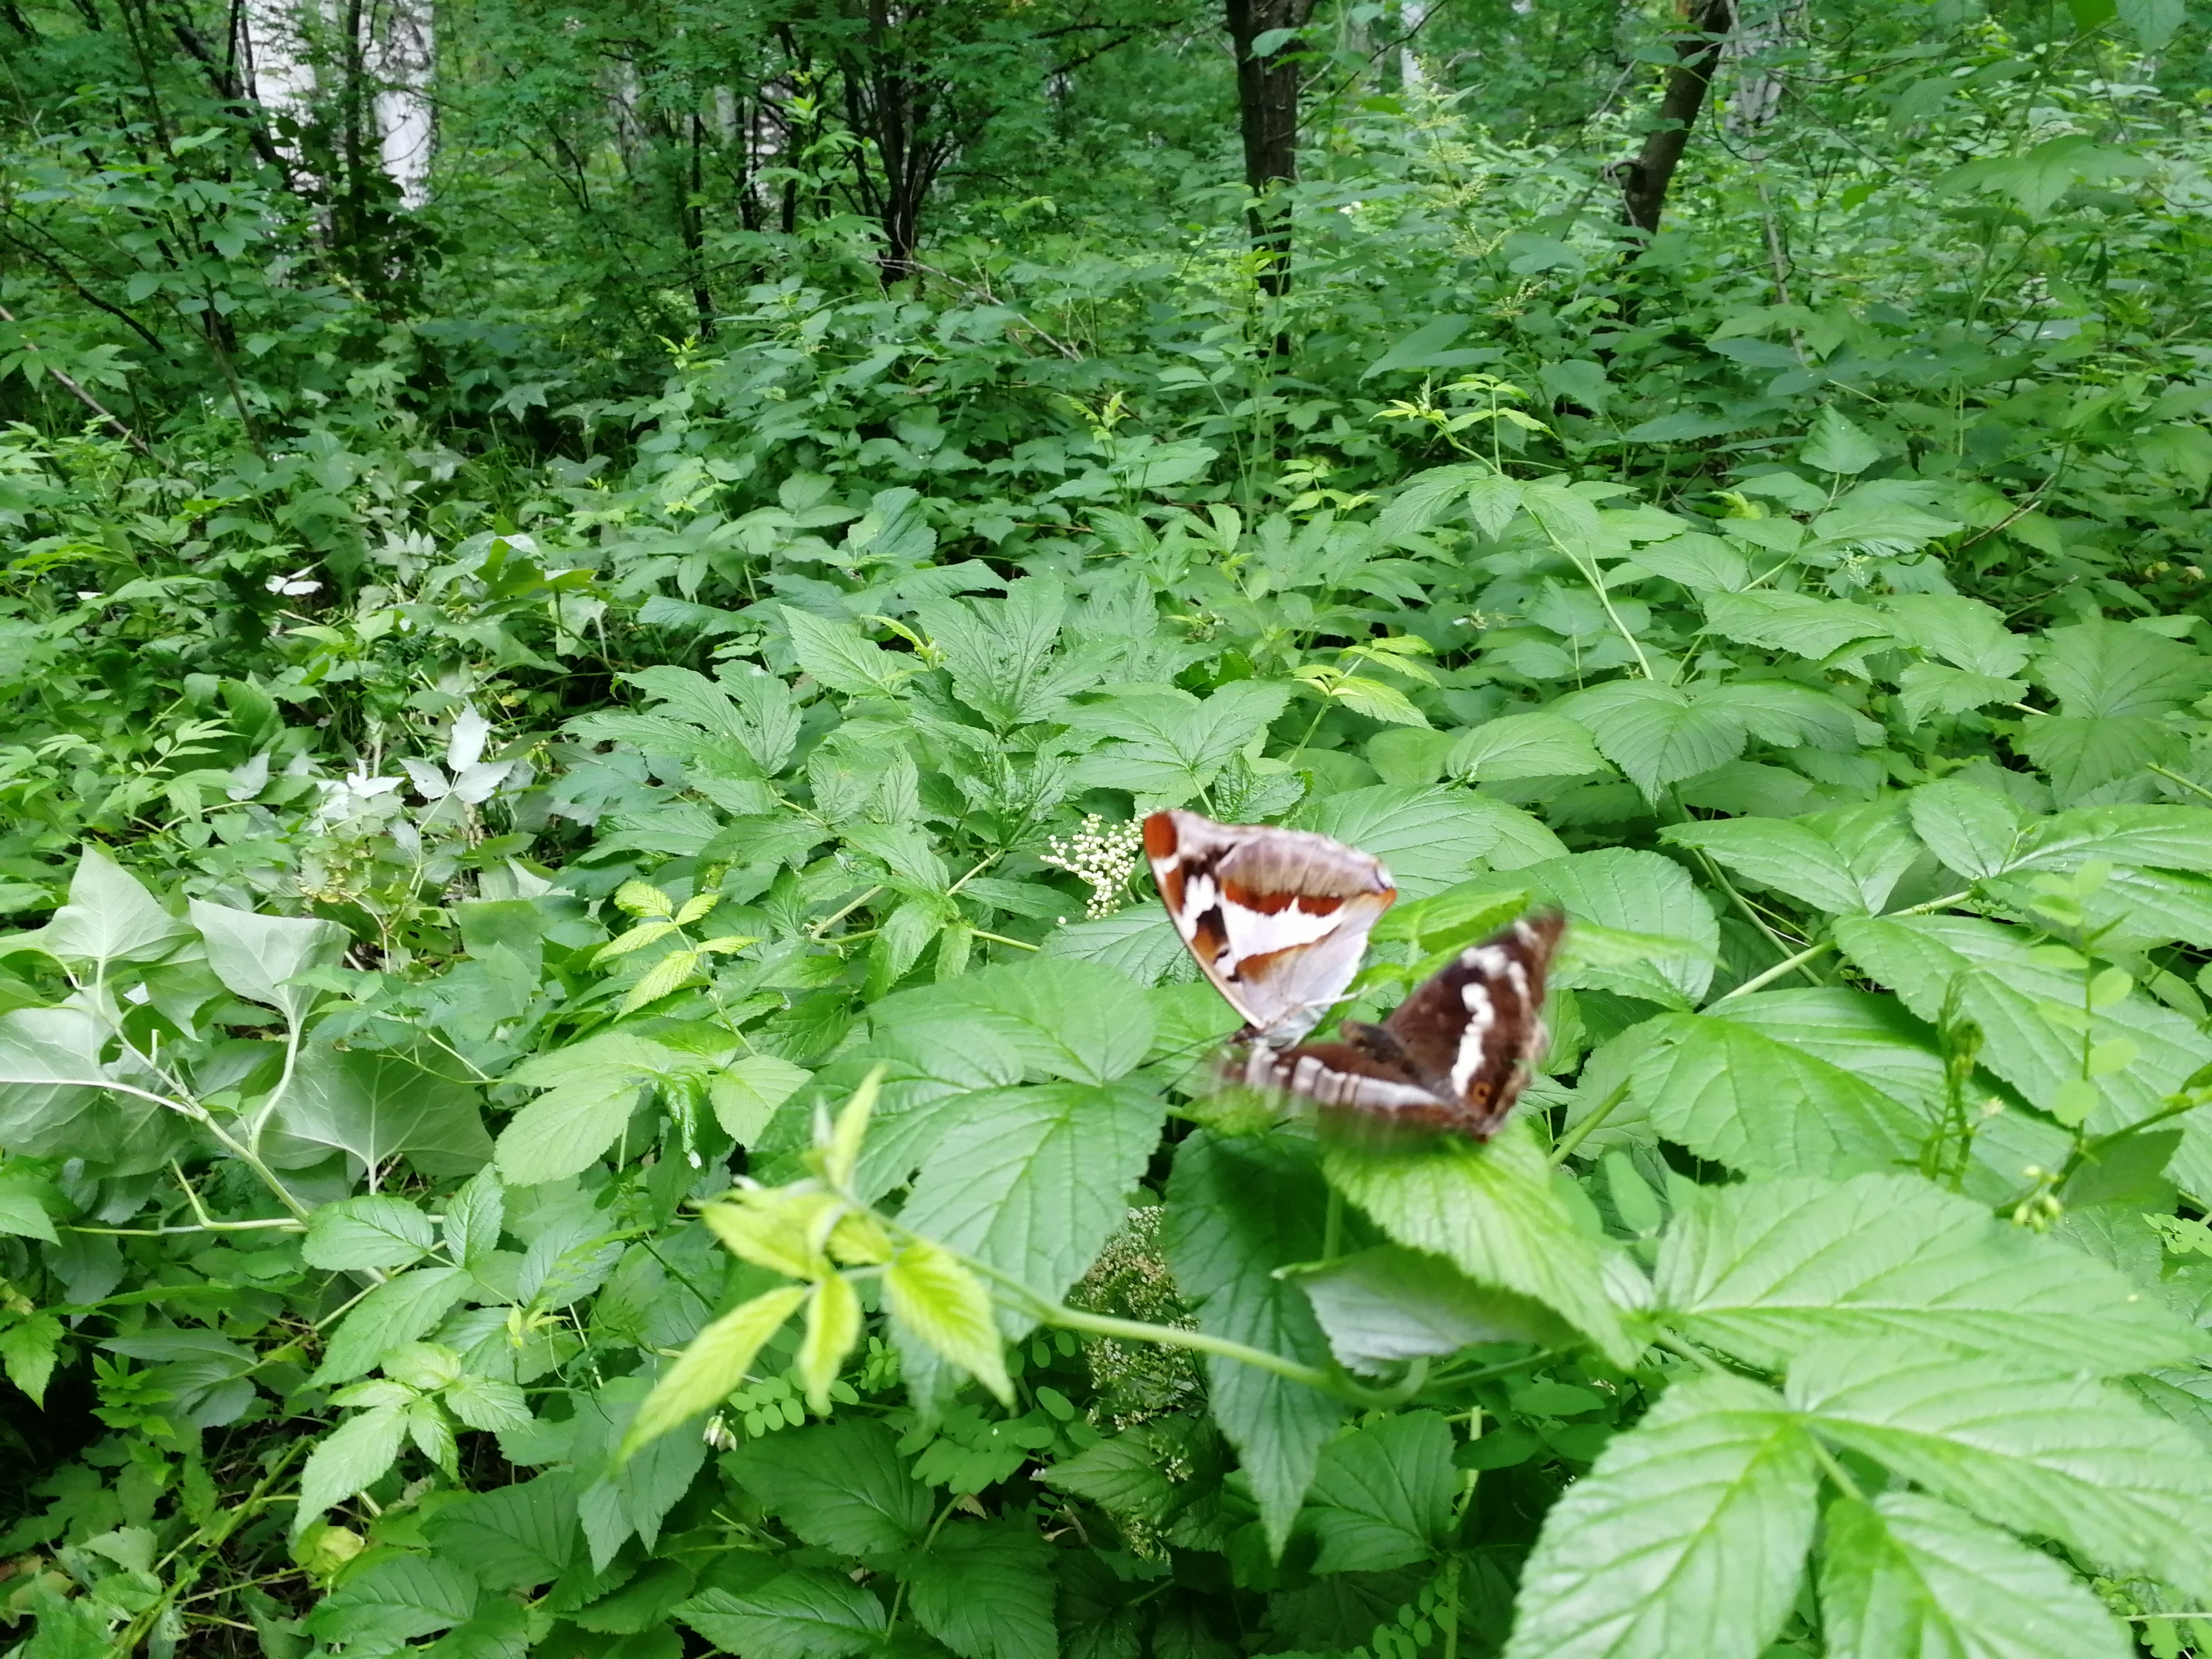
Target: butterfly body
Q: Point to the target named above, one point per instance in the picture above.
(1278, 920)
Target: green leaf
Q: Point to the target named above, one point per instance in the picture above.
(2153, 22)
(1033, 1182)
(353, 1456)
(842, 1485)
(2159, 837)
(1874, 1038)
(21, 1214)
(1929, 688)
(1837, 445)
(1383, 1495)
(1764, 1270)
(808, 1613)
(1653, 733)
(375, 1230)
(1125, 1473)
(2006, 990)
(707, 1371)
(1972, 829)
(2055, 1454)
(2110, 670)
(1790, 857)
(514, 1537)
(1798, 624)
(842, 657)
(1237, 1210)
(2080, 756)
(29, 1344)
(1001, 652)
(399, 1311)
(1540, 745)
(1907, 1576)
(257, 957)
(1761, 1105)
(394, 1600)
(946, 1308)
(1494, 1212)
(487, 1404)
(1386, 1306)
(474, 1216)
(2037, 179)
(747, 1091)
(1687, 1536)
(110, 917)
(1633, 892)
(1077, 1020)
(1164, 746)
(1964, 633)
(985, 1591)
(1430, 838)
(374, 1105)
(568, 1128)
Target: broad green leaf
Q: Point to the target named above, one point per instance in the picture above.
(374, 1105)
(1127, 1474)
(1164, 746)
(1885, 517)
(1237, 1210)
(569, 1127)
(2007, 991)
(624, 1489)
(1788, 715)
(1687, 1536)
(946, 1308)
(21, 1214)
(353, 1456)
(2110, 670)
(257, 957)
(1790, 857)
(747, 1091)
(1760, 1104)
(1634, 891)
(713, 1367)
(2159, 837)
(2153, 22)
(487, 1403)
(833, 1319)
(1388, 1305)
(1540, 745)
(1798, 624)
(110, 917)
(1908, 1577)
(1874, 1038)
(808, 1613)
(842, 1485)
(514, 1537)
(1139, 942)
(474, 1216)
(999, 651)
(842, 657)
(985, 1590)
(375, 1231)
(1077, 1020)
(398, 1312)
(2081, 755)
(1765, 1270)
(1964, 633)
(2049, 1453)
(1383, 1495)
(1428, 838)
(1835, 444)
(1494, 1212)
(1653, 733)
(1972, 829)
(29, 1345)
(1925, 689)
(2037, 179)
(394, 1599)
(1034, 1181)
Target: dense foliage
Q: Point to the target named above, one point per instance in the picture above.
(586, 1069)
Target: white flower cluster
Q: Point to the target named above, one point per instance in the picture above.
(1102, 856)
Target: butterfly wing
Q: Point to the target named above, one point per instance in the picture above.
(1277, 919)
(1474, 1031)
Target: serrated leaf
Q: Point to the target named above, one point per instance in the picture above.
(1972, 829)
(716, 1364)
(487, 1404)
(376, 1104)
(1653, 733)
(1633, 892)
(842, 657)
(1386, 1306)
(842, 1485)
(375, 1231)
(833, 1326)
(353, 1456)
(398, 1312)
(1077, 1020)
(1540, 745)
(1837, 445)
(1429, 838)
(1383, 1495)
(1765, 1270)
(747, 1092)
(1790, 857)
(256, 957)
(1033, 1182)
(2053, 1453)
(1165, 746)
(808, 1613)
(946, 1308)
(1798, 624)
(514, 1537)
(1687, 1536)
(1761, 1105)
(1237, 1210)
(1908, 1577)
(29, 1345)
(986, 1591)
(1494, 1212)
(21, 1214)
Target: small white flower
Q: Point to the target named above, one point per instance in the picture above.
(1102, 857)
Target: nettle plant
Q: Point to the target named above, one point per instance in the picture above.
(801, 1224)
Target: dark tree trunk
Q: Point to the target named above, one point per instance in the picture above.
(1267, 103)
(1644, 182)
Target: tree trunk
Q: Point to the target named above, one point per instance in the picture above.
(1644, 182)
(1267, 103)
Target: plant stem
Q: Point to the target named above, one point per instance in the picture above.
(1760, 981)
(1583, 1130)
(1837, 1472)
(1000, 939)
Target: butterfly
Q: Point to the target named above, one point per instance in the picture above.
(1279, 921)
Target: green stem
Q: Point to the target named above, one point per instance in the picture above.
(1000, 939)
(1583, 1130)
(830, 921)
(2186, 783)
(1760, 981)
(1837, 1472)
